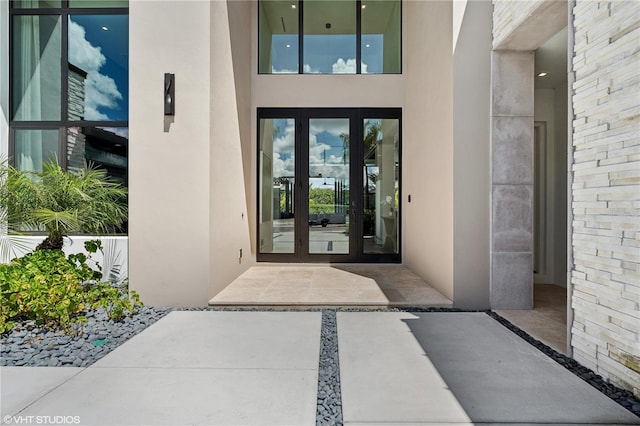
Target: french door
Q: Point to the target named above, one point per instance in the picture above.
(328, 185)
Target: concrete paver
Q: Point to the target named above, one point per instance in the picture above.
(205, 368)
(205, 339)
(184, 396)
(243, 368)
(19, 386)
(385, 376)
(499, 378)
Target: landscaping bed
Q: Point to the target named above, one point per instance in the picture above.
(39, 346)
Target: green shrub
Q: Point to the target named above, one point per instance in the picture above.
(54, 289)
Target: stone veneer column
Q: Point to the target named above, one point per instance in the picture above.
(512, 180)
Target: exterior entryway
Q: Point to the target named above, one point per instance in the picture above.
(330, 285)
(329, 185)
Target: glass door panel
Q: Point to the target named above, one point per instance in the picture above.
(329, 185)
(276, 185)
(380, 187)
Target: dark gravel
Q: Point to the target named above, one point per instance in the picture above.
(30, 345)
(329, 397)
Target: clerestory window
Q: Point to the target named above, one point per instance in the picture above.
(329, 37)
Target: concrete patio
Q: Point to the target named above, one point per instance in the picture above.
(250, 368)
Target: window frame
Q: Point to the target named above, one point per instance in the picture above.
(300, 9)
(64, 123)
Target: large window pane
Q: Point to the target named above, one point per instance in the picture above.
(381, 185)
(99, 67)
(98, 3)
(35, 147)
(35, 4)
(329, 185)
(277, 172)
(329, 37)
(103, 147)
(278, 40)
(381, 36)
(36, 68)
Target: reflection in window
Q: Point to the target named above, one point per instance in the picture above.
(329, 186)
(278, 41)
(381, 42)
(277, 171)
(98, 67)
(35, 147)
(381, 174)
(103, 147)
(98, 3)
(329, 37)
(36, 68)
(35, 4)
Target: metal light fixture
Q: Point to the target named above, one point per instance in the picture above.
(169, 94)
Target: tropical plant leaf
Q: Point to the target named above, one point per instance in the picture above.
(112, 263)
(84, 201)
(63, 221)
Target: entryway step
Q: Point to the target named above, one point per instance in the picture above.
(357, 285)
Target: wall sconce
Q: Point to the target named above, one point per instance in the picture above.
(169, 94)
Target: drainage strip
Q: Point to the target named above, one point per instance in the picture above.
(329, 410)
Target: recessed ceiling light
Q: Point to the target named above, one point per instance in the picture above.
(293, 6)
(543, 74)
(288, 46)
(105, 28)
(364, 6)
(367, 45)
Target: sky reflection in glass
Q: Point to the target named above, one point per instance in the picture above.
(99, 45)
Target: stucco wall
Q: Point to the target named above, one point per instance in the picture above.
(230, 248)
(606, 190)
(169, 178)
(471, 154)
(428, 143)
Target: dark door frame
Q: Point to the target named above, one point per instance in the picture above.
(301, 189)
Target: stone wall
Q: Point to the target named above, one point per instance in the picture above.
(524, 25)
(606, 190)
(508, 15)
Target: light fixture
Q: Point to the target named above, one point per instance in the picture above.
(543, 74)
(169, 94)
(104, 28)
(364, 6)
(293, 6)
(367, 45)
(288, 46)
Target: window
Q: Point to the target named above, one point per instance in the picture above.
(331, 37)
(69, 84)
